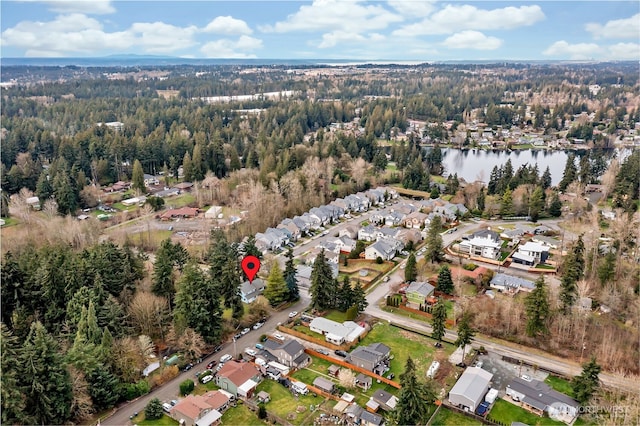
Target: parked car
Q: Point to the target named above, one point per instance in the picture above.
(187, 367)
(293, 314)
(217, 349)
(207, 379)
(237, 336)
(278, 336)
(259, 346)
(250, 352)
(482, 408)
(341, 353)
(211, 365)
(258, 325)
(526, 377)
(245, 331)
(173, 402)
(323, 351)
(224, 358)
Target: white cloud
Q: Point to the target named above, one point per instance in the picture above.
(158, 37)
(624, 51)
(74, 33)
(342, 37)
(228, 25)
(472, 40)
(79, 34)
(226, 48)
(454, 18)
(336, 15)
(412, 8)
(579, 51)
(619, 28)
(92, 7)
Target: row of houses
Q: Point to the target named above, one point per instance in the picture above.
(290, 230)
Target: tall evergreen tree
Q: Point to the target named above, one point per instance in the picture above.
(225, 271)
(187, 167)
(45, 378)
(465, 332)
(249, 247)
(44, 189)
(410, 270)
(414, 399)
(445, 282)
(198, 166)
(290, 276)
(536, 203)
(198, 304)
(569, 174)
(163, 283)
(137, 177)
(480, 200)
(345, 295)
(555, 207)
(276, 291)
(359, 298)
(434, 252)
(537, 308)
(587, 382)
(103, 388)
(545, 181)
(323, 286)
(11, 392)
(65, 193)
(506, 204)
(438, 320)
(573, 271)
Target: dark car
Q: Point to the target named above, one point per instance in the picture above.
(217, 349)
(482, 409)
(341, 353)
(187, 367)
(211, 365)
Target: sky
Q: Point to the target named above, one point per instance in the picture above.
(398, 30)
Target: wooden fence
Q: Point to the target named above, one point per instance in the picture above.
(352, 367)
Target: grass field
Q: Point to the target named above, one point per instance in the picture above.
(356, 264)
(10, 221)
(505, 412)
(561, 385)
(283, 404)
(337, 316)
(240, 415)
(403, 344)
(446, 417)
(156, 237)
(180, 201)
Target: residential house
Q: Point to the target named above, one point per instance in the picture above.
(376, 196)
(511, 234)
(379, 249)
(249, 291)
(171, 192)
(386, 232)
(363, 381)
(290, 226)
(321, 215)
(484, 243)
(266, 241)
(379, 216)
(239, 378)
(538, 397)
(330, 256)
(385, 400)
(301, 224)
(303, 274)
(354, 415)
(550, 242)
(341, 203)
(312, 220)
(406, 235)
(417, 293)
(531, 253)
(281, 236)
(470, 389)
(367, 233)
(350, 231)
(451, 211)
(337, 212)
(33, 202)
(431, 216)
(290, 352)
(329, 247)
(150, 180)
(415, 220)
(324, 384)
(345, 244)
(181, 213)
(373, 357)
(198, 409)
(510, 284)
(335, 332)
(394, 218)
(184, 186)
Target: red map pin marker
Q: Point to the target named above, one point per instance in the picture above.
(250, 266)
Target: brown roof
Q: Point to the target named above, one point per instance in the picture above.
(181, 212)
(238, 372)
(192, 406)
(216, 399)
(183, 185)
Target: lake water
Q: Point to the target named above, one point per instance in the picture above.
(477, 165)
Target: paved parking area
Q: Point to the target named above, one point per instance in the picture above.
(503, 371)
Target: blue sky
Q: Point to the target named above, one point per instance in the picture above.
(402, 30)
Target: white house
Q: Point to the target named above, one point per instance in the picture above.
(485, 243)
(531, 253)
(540, 398)
(335, 332)
(249, 292)
(379, 249)
(470, 389)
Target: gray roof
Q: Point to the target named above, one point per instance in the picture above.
(384, 397)
(383, 248)
(506, 280)
(322, 383)
(486, 233)
(363, 378)
(539, 394)
(292, 347)
(248, 288)
(472, 384)
(423, 288)
(371, 418)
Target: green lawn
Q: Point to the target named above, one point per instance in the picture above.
(240, 415)
(561, 385)
(307, 375)
(10, 221)
(505, 412)
(283, 404)
(446, 417)
(337, 316)
(164, 420)
(181, 200)
(308, 332)
(403, 344)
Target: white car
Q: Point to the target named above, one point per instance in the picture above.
(250, 352)
(207, 379)
(293, 314)
(278, 336)
(224, 358)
